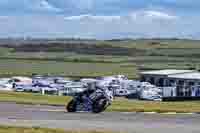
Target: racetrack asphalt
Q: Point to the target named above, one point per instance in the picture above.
(56, 117)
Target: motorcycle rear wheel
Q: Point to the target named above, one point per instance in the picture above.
(99, 105)
(71, 106)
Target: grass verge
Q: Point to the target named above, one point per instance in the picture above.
(9, 129)
(119, 105)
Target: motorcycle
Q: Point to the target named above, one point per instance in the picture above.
(95, 101)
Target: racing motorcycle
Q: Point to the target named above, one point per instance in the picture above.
(95, 101)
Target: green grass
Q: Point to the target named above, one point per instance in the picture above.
(27, 67)
(120, 104)
(164, 43)
(145, 55)
(29, 98)
(126, 105)
(9, 129)
(89, 65)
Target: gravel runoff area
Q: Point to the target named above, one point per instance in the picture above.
(56, 117)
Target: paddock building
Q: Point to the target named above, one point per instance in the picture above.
(175, 83)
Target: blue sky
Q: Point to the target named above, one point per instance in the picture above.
(101, 19)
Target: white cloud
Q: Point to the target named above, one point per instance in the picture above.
(46, 5)
(93, 17)
(99, 26)
(77, 17)
(151, 14)
(136, 16)
(106, 18)
(4, 17)
(28, 6)
(43, 5)
(145, 23)
(160, 15)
